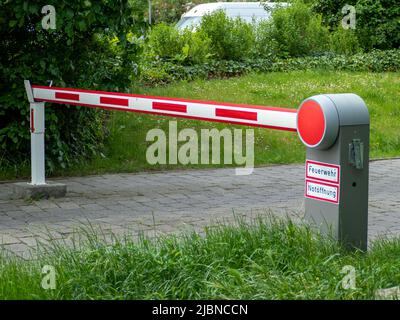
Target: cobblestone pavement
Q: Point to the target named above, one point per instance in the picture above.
(158, 203)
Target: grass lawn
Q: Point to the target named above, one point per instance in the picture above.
(262, 259)
(126, 147)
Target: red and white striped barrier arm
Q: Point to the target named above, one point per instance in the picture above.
(257, 116)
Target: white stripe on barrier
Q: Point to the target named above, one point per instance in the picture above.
(257, 116)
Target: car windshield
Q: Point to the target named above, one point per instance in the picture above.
(188, 22)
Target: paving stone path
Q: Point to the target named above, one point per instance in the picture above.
(158, 203)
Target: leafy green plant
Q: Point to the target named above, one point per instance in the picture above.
(344, 42)
(231, 39)
(197, 46)
(298, 31)
(331, 11)
(166, 43)
(375, 61)
(377, 21)
(265, 44)
(80, 52)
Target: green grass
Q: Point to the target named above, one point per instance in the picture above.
(262, 259)
(126, 147)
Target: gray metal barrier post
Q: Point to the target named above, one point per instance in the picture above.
(335, 129)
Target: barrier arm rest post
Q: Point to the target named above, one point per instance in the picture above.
(37, 128)
(38, 187)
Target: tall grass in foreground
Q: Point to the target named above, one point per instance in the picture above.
(249, 260)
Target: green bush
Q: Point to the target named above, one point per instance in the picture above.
(374, 61)
(298, 31)
(344, 42)
(77, 53)
(231, 39)
(377, 21)
(265, 44)
(197, 47)
(330, 10)
(166, 43)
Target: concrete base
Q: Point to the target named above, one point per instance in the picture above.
(25, 190)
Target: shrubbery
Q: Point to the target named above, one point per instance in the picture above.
(265, 44)
(294, 31)
(374, 61)
(377, 21)
(297, 31)
(344, 42)
(231, 39)
(295, 38)
(166, 43)
(78, 53)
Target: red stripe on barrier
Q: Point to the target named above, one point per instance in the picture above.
(32, 121)
(67, 96)
(233, 105)
(115, 101)
(170, 115)
(169, 107)
(243, 115)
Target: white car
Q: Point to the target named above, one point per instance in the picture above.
(248, 11)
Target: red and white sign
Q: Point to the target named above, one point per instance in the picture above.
(322, 171)
(322, 191)
(322, 181)
(257, 116)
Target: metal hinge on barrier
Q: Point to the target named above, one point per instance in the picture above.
(356, 154)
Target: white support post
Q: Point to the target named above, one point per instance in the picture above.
(37, 143)
(36, 112)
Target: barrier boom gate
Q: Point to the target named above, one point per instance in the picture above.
(333, 127)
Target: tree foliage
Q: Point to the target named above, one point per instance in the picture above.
(166, 43)
(377, 21)
(231, 39)
(92, 46)
(298, 31)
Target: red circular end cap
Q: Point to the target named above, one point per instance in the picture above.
(311, 123)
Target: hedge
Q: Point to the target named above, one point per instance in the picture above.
(374, 61)
(88, 48)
